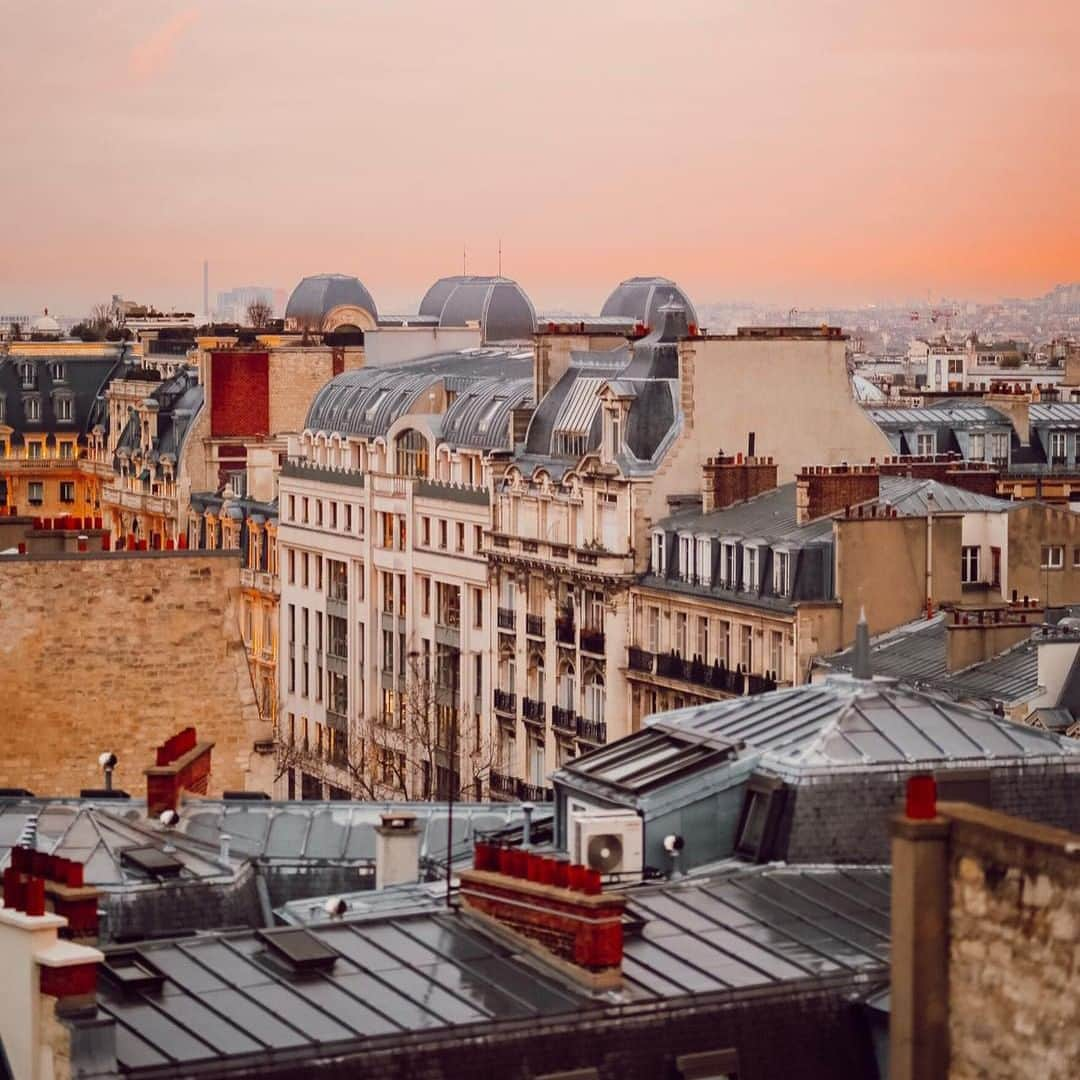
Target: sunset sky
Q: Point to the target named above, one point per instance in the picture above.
(797, 151)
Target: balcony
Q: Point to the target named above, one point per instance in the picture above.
(534, 792)
(144, 501)
(534, 625)
(563, 720)
(505, 701)
(502, 786)
(564, 631)
(14, 464)
(697, 673)
(259, 580)
(592, 641)
(594, 731)
(507, 619)
(533, 710)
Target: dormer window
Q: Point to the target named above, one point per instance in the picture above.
(686, 557)
(33, 409)
(59, 371)
(782, 573)
(704, 560)
(27, 375)
(926, 443)
(729, 564)
(65, 413)
(999, 447)
(2, 404)
(1059, 444)
(978, 446)
(750, 569)
(659, 563)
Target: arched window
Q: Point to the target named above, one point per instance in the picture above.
(566, 688)
(412, 453)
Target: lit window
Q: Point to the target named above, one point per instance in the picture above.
(1053, 557)
(412, 453)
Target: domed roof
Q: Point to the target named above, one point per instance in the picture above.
(498, 304)
(641, 298)
(45, 324)
(317, 296)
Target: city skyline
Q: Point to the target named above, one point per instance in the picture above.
(771, 154)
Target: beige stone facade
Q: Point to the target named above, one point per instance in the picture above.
(117, 653)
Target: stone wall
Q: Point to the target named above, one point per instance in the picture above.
(1014, 962)
(119, 652)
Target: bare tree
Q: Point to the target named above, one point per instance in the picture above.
(259, 314)
(105, 318)
(418, 754)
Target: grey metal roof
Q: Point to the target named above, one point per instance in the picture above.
(179, 400)
(96, 833)
(315, 296)
(910, 498)
(480, 414)
(368, 400)
(755, 928)
(498, 304)
(769, 516)
(223, 999)
(917, 653)
(845, 723)
(1051, 412)
(641, 298)
(935, 415)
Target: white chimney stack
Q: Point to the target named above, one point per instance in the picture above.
(397, 850)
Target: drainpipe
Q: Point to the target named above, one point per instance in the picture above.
(930, 554)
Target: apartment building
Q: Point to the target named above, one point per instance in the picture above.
(745, 589)
(386, 612)
(50, 406)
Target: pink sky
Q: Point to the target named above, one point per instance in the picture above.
(797, 151)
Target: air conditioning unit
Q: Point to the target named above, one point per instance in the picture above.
(610, 841)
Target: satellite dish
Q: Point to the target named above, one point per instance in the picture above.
(605, 852)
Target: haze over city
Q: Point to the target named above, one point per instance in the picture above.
(779, 152)
(540, 541)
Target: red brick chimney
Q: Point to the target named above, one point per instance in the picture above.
(825, 489)
(183, 764)
(728, 480)
(556, 910)
(951, 468)
(36, 882)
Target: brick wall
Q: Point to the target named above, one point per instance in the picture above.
(846, 819)
(118, 652)
(1014, 979)
(239, 394)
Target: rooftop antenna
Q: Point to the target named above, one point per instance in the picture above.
(862, 668)
(464, 261)
(500, 256)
